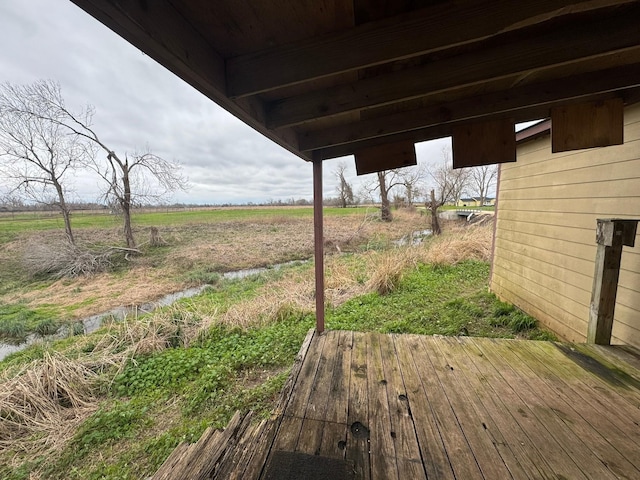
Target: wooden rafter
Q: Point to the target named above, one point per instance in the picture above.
(165, 35)
(397, 38)
(615, 33)
(385, 74)
(517, 101)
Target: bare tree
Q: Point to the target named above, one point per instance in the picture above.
(344, 189)
(449, 185)
(123, 176)
(36, 153)
(433, 205)
(127, 183)
(412, 179)
(386, 181)
(481, 179)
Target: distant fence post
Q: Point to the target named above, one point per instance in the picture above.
(611, 235)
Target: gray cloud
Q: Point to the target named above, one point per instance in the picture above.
(139, 103)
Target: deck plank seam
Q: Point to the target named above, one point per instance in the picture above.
(413, 424)
(558, 413)
(451, 407)
(478, 408)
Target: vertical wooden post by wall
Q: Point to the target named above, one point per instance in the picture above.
(611, 235)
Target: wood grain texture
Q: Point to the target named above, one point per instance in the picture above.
(395, 38)
(385, 157)
(484, 143)
(552, 48)
(587, 125)
(545, 94)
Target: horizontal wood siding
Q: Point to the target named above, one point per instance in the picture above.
(545, 246)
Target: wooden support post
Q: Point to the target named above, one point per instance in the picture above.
(318, 232)
(611, 235)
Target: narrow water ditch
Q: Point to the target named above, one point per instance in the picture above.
(94, 322)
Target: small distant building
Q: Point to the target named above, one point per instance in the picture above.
(475, 202)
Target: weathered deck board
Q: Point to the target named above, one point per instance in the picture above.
(432, 451)
(496, 459)
(371, 406)
(403, 432)
(460, 454)
(608, 442)
(503, 428)
(559, 418)
(357, 447)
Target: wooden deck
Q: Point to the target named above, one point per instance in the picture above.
(372, 406)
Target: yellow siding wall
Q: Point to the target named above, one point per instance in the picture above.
(545, 233)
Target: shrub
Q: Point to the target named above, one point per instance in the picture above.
(46, 327)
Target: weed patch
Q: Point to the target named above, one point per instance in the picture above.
(444, 300)
(18, 320)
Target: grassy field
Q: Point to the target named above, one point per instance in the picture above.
(126, 395)
(199, 244)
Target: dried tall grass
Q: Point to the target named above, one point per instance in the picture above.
(43, 403)
(380, 272)
(460, 244)
(41, 407)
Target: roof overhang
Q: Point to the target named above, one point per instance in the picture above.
(331, 78)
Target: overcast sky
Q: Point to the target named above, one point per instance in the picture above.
(139, 103)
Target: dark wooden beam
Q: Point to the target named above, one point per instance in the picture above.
(413, 136)
(587, 125)
(590, 38)
(549, 94)
(160, 31)
(405, 36)
(385, 157)
(484, 143)
(611, 236)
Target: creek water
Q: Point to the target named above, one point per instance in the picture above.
(414, 238)
(94, 322)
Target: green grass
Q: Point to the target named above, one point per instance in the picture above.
(207, 381)
(448, 300)
(17, 321)
(11, 226)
